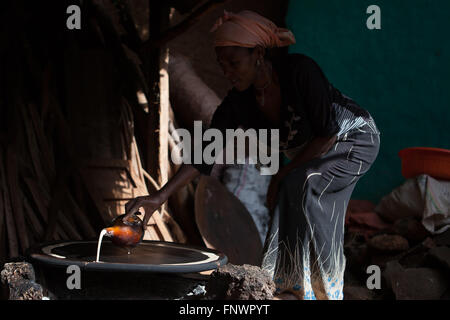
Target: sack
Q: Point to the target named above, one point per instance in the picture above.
(247, 184)
(422, 197)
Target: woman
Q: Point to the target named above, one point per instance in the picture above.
(331, 142)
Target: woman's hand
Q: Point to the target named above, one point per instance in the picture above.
(150, 203)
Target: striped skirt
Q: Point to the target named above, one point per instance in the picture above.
(304, 248)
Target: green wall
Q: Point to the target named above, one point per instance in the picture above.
(400, 74)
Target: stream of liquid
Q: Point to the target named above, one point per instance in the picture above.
(100, 244)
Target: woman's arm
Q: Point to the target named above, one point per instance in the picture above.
(314, 149)
(152, 202)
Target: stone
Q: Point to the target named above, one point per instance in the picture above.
(415, 283)
(14, 271)
(415, 259)
(357, 293)
(353, 279)
(417, 256)
(411, 229)
(19, 280)
(442, 255)
(392, 271)
(240, 282)
(25, 290)
(357, 256)
(388, 243)
(381, 260)
(442, 239)
(360, 206)
(428, 243)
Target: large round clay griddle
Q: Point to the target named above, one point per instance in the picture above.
(148, 256)
(225, 224)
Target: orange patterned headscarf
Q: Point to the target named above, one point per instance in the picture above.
(249, 29)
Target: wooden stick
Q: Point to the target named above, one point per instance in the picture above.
(127, 21)
(48, 160)
(129, 67)
(17, 204)
(34, 222)
(120, 164)
(59, 234)
(9, 220)
(34, 151)
(152, 181)
(183, 26)
(152, 234)
(38, 197)
(127, 128)
(67, 222)
(81, 218)
(52, 222)
(42, 204)
(70, 230)
(55, 204)
(79, 195)
(2, 207)
(174, 227)
(165, 234)
(95, 196)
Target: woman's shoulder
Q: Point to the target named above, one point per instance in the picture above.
(292, 60)
(296, 66)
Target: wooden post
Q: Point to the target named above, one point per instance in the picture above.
(158, 79)
(164, 116)
(157, 151)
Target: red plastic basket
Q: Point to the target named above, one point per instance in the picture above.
(422, 160)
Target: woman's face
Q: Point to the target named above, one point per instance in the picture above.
(238, 65)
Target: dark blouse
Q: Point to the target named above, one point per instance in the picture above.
(310, 107)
